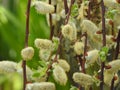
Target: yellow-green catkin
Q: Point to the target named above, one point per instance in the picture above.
(43, 44)
(7, 67)
(83, 79)
(43, 7)
(92, 56)
(59, 75)
(41, 86)
(79, 48)
(27, 53)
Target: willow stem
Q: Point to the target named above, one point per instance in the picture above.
(104, 44)
(26, 43)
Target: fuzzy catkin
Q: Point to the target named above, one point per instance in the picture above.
(64, 64)
(43, 8)
(89, 27)
(7, 67)
(59, 75)
(92, 56)
(69, 32)
(115, 66)
(27, 53)
(41, 86)
(79, 48)
(43, 44)
(83, 79)
(108, 78)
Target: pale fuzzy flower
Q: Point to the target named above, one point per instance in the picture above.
(83, 79)
(7, 67)
(109, 39)
(44, 54)
(62, 14)
(43, 44)
(108, 78)
(27, 53)
(89, 27)
(92, 56)
(59, 75)
(41, 86)
(69, 32)
(79, 48)
(28, 71)
(64, 64)
(115, 66)
(113, 4)
(43, 8)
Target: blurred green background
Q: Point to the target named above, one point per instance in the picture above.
(12, 28)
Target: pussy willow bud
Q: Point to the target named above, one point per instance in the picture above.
(60, 75)
(69, 32)
(7, 67)
(115, 66)
(43, 8)
(108, 78)
(64, 64)
(27, 53)
(83, 79)
(79, 48)
(89, 27)
(92, 56)
(41, 86)
(44, 54)
(43, 44)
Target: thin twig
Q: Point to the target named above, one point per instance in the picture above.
(118, 46)
(66, 6)
(26, 43)
(104, 43)
(112, 84)
(51, 25)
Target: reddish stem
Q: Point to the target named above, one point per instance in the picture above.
(26, 43)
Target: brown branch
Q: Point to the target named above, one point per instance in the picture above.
(118, 46)
(26, 43)
(112, 84)
(104, 43)
(66, 6)
(89, 9)
(51, 25)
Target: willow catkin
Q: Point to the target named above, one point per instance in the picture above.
(115, 66)
(43, 8)
(59, 75)
(79, 48)
(64, 64)
(89, 27)
(43, 44)
(83, 79)
(92, 56)
(108, 78)
(27, 53)
(7, 67)
(41, 86)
